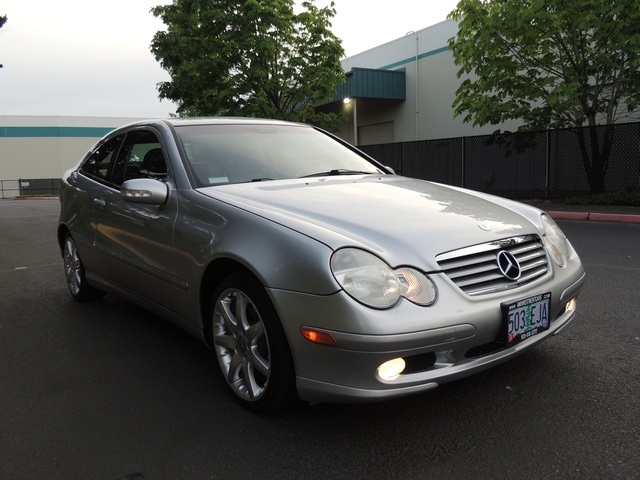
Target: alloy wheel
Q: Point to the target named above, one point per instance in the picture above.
(72, 266)
(241, 344)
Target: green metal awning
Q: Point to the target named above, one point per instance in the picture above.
(372, 83)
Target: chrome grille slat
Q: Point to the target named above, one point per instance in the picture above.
(526, 258)
(523, 249)
(462, 264)
(475, 270)
(479, 279)
(532, 275)
(530, 265)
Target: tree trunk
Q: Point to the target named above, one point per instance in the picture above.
(595, 156)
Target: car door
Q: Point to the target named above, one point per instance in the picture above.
(84, 184)
(134, 240)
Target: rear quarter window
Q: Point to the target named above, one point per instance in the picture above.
(100, 161)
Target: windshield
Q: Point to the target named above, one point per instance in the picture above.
(221, 154)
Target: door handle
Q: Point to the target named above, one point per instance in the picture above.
(99, 202)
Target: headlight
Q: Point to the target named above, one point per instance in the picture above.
(372, 282)
(555, 240)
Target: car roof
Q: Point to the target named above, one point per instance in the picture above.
(184, 121)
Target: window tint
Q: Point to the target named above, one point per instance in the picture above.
(98, 163)
(140, 157)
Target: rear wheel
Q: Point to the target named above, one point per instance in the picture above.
(250, 345)
(74, 272)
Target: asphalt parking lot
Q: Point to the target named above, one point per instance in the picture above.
(105, 390)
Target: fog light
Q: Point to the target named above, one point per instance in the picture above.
(571, 305)
(392, 369)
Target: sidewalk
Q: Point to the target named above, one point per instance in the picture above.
(597, 213)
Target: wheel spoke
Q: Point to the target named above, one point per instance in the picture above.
(235, 365)
(253, 389)
(259, 362)
(255, 333)
(228, 317)
(241, 310)
(72, 280)
(226, 341)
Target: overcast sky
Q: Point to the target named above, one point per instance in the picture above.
(92, 58)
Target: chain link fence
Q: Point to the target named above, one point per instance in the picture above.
(31, 187)
(545, 165)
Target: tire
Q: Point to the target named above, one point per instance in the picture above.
(250, 345)
(74, 273)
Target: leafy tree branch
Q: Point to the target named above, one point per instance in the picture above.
(249, 58)
(550, 64)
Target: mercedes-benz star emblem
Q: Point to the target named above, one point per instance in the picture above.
(508, 265)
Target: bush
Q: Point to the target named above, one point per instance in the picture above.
(619, 197)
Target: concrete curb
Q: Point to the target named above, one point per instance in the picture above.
(596, 217)
(32, 198)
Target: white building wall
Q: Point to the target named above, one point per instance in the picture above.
(37, 157)
(427, 112)
(37, 147)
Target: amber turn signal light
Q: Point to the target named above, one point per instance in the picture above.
(318, 336)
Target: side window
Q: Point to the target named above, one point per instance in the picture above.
(99, 162)
(140, 157)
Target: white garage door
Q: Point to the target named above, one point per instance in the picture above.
(376, 134)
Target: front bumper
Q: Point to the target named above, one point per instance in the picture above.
(461, 342)
(447, 368)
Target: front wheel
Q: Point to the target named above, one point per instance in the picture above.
(250, 345)
(74, 272)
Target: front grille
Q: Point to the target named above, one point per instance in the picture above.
(475, 269)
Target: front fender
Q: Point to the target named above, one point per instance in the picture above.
(281, 258)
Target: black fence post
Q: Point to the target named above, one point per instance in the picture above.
(547, 178)
(463, 160)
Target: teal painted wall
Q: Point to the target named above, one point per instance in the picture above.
(53, 132)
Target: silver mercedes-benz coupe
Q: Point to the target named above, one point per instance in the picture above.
(312, 271)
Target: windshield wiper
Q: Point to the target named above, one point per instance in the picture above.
(338, 171)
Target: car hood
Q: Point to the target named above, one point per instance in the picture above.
(404, 220)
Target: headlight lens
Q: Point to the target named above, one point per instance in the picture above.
(372, 282)
(555, 240)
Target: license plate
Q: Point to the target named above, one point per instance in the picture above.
(525, 318)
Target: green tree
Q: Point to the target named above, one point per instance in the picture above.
(3, 20)
(249, 58)
(550, 64)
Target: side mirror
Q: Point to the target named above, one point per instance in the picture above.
(145, 190)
